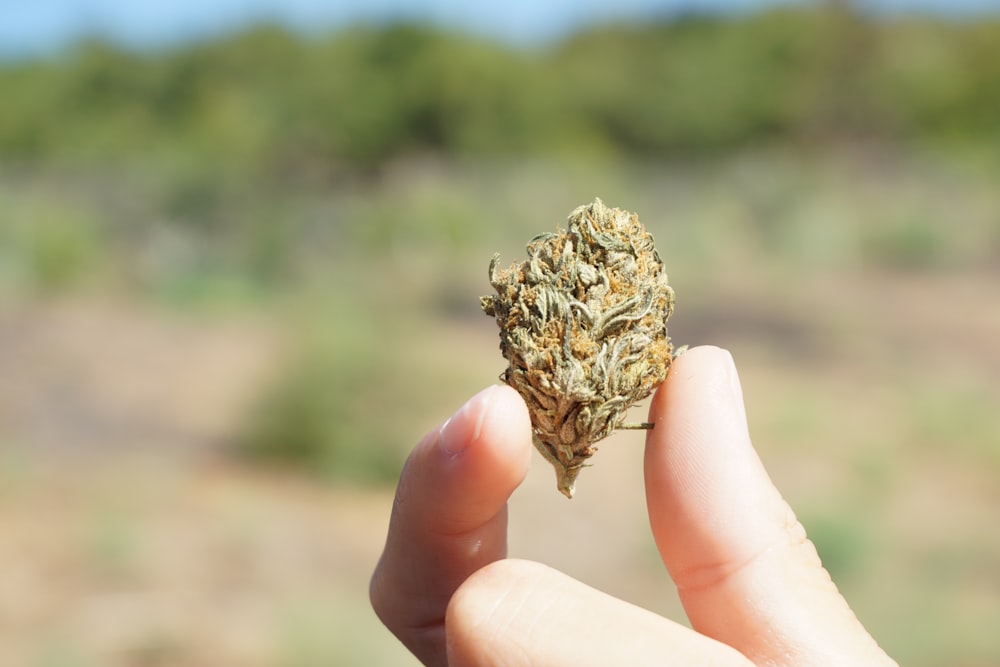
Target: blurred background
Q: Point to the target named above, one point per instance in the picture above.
(241, 250)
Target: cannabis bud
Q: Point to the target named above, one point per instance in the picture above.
(583, 326)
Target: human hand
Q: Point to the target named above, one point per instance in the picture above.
(750, 581)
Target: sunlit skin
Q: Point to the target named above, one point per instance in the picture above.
(751, 583)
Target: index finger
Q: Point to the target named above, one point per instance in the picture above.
(449, 517)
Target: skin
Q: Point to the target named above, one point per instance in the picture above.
(751, 582)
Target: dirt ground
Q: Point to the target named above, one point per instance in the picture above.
(128, 537)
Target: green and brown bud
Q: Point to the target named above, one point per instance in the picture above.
(583, 326)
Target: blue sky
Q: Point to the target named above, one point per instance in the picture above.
(35, 27)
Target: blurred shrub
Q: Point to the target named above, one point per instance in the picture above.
(912, 242)
(49, 248)
(842, 541)
(61, 252)
(326, 412)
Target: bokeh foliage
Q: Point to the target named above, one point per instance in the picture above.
(268, 100)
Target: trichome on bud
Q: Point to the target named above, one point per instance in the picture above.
(583, 326)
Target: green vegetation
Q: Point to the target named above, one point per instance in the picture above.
(324, 412)
(272, 103)
(226, 171)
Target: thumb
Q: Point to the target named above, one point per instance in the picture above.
(518, 613)
(744, 568)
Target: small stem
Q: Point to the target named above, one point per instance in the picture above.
(637, 426)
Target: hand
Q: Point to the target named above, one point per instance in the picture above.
(750, 581)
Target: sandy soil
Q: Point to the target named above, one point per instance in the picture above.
(127, 537)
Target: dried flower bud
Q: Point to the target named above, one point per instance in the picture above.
(583, 325)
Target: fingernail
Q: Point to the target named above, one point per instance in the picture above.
(464, 427)
(735, 388)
